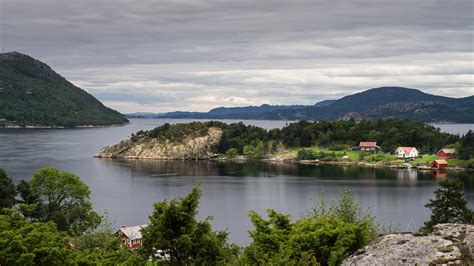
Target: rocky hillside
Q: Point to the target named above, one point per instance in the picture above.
(448, 244)
(192, 146)
(33, 94)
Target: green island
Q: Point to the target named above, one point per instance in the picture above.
(50, 220)
(304, 142)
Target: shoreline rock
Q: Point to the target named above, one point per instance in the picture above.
(197, 147)
(447, 244)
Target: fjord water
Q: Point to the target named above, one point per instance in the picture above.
(128, 189)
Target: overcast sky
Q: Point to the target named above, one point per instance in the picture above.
(155, 56)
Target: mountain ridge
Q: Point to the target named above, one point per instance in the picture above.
(382, 102)
(32, 94)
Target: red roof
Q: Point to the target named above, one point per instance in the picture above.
(368, 144)
(407, 149)
(440, 162)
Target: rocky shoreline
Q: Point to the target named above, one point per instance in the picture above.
(198, 147)
(448, 244)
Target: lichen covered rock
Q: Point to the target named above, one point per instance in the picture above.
(448, 244)
(191, 147)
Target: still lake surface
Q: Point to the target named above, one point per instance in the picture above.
(128, 189)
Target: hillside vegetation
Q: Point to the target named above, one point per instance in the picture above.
(32, 94)
(253, 141)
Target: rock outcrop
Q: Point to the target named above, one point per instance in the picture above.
(192, 147)
(448, 244)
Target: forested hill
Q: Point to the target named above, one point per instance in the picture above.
(383, 102)
(32, 94)
(388, 102)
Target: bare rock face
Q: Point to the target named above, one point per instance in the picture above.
(191, 147)
(448, 244)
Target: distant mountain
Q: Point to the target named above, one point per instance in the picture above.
(324, 103)
(248, 112)
(388, 102)
(32, 94)
(371, 104)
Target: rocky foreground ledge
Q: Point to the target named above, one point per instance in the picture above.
(191, 147)
(448, 244)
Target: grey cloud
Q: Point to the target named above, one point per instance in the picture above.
(198, 54)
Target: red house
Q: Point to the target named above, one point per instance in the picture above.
(446, 153)
(131, 235)
(440, 164)
(368, 146)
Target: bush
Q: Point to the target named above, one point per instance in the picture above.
(469, 164)
(232, 152)
(307, 154)
(327, 236)
(337, 147)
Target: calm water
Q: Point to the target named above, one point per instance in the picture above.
(128, 189)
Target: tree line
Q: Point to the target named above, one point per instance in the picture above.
(241, 139)
(50, 220)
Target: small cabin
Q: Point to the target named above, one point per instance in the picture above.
(131, 235)
(368, 146)
(406, 152)
(446, 153)
(439, 164)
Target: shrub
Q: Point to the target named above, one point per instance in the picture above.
(232, 152)
(327, 236)
(307, 154)
(469, 164)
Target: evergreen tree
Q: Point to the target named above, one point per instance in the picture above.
(7, 191)
(466, 149)
(176, 236)
(449, 205)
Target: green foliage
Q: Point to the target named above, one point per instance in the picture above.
(232, 152)
(378, 157)
(175, 234)
(469, 164)
(326, 237)
(449, 205)
(255, 150)
(31, 243)
(310, 154)
(33, 94)
(64, 199)
(23, 242)
(307, 154)
(7, 191)
(466, 149)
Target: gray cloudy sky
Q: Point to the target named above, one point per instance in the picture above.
(143, 55)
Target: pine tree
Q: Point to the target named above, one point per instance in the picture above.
(449, 205)
(7, 191)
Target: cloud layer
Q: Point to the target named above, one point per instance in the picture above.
(195, 55)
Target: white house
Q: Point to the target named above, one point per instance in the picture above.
(131, 235)
(406, 152)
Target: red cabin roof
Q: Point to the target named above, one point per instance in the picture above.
(369, 144)
(439, 164)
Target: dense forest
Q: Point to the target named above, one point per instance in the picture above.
(32, 94)
(239, 138)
